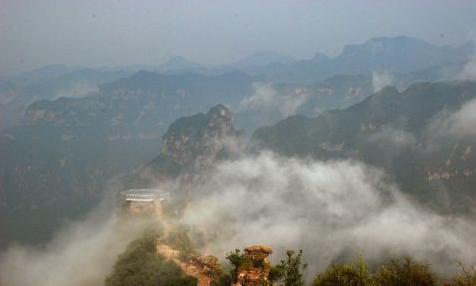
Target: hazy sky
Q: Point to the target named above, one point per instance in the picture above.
(34, 33)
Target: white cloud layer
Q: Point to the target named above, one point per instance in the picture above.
(82, 254)
(330, 209)
(458, 124)
(381, 80)
(393, 137)
(267, 98)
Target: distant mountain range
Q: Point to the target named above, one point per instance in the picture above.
(49, 83)
(59, 160)
(66, 131)
(401, 54)
(396, 55)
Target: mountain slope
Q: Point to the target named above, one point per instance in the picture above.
(58, 163)
(19, 92)
(395, 131)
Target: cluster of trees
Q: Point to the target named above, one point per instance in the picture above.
(397, 272)
(140, 265)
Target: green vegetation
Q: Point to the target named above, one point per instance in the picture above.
(178, 239)
(352, 274)
(405, 271)
(236, 259)
(397, 272)
(290, 271)
(467, 277)
(140, 265)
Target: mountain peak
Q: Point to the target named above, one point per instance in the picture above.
(220, 110)
(397, 54)
(196, 140)
(383, 45)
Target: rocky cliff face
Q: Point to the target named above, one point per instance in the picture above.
(198, 138)
(196, 141)
(256, 267)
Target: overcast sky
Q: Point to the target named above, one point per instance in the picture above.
(34, 33)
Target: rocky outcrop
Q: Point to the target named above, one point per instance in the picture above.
(196, 141)
(203, 268)
(198, 138)
(254, 271)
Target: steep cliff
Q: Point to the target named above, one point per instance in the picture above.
(195, 142)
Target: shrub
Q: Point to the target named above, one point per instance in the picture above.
(237, 259)
(353, 274)
(178, 239)
(291, 270)
(467, 277)
(403, 272)
(139, 265)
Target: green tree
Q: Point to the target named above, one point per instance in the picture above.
(291, 270)
(352, 274)
(467, 277)
(405, 272)
(236, 259)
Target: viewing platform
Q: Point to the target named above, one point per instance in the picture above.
(145, 195)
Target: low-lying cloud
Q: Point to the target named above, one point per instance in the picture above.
(458, 124)
(394, 137)
(381, 80)
(81, 254)
(266, 97)
(78, 89)
(330, 209)
(469, 69)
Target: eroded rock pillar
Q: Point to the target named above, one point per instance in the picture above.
(254, 271)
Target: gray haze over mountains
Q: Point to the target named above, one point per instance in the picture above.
(343, 128)
(67, 131)
(122, 33)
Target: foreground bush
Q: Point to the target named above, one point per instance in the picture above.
(405, 272)
(400, 272)
(352, 274)
(178, 238)
(290, 270)
(139, 265)
(467, 277)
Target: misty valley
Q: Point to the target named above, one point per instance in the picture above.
(355, 168)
